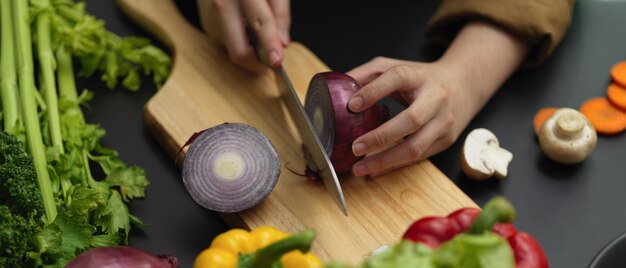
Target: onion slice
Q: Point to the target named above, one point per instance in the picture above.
(326, 104)
(230, 168)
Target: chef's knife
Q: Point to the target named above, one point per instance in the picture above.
(314, 152)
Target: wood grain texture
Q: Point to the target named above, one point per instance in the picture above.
(205, 90)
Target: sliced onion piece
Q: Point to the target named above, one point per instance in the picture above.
(230, 168)
(326, 104)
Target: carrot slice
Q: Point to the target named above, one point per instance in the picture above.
(618, 73)
(617, 95)
(604, 117)
(541, 116)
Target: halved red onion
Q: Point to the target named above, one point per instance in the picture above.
(230, 167)
(121, 257)
(326, 104)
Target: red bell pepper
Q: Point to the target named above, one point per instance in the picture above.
(496, 216)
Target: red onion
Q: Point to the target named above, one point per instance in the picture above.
(121, 257)
(230, 168)
(326, 105)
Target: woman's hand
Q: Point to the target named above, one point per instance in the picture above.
(442, 97)
(232, 20)
(438, 110)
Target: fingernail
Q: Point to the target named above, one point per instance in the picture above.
(355, 103)
(274, 58)
(359, 149)
(284, 38)
(359, 169)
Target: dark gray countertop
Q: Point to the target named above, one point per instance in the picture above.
(571, 210)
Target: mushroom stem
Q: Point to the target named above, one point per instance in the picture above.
(569, 125)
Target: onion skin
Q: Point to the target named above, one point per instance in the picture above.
(347, 125)
(121, 257)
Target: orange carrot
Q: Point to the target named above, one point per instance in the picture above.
(618, 73)
(541, 116)
(604, 117)
(617, 95)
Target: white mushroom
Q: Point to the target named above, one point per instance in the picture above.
(482, 156)
(567, 136)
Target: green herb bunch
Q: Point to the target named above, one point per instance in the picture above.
(51, 205)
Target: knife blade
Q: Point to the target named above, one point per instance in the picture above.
(314, 152)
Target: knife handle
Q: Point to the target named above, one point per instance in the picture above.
(259, 50)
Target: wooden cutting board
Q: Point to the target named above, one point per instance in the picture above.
(205, 89)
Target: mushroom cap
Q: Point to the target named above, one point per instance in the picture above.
(482, 156)
(567, 136)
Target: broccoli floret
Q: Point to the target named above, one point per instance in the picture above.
(21, 205)
(15, 236)
(19, 188)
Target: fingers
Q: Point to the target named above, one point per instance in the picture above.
(416, 148)
(374, 68)
(210, 19)
(405, 123)
(282, 13)
(261, 19)
(235, 38)
(267, 22)
(369, 71)
(397, 78)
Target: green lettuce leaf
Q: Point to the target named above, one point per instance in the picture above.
(475, 251)
(463, 251)
(405, 254)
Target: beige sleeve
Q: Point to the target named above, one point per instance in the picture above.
(541, 23)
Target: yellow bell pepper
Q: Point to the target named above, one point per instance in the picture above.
(296, 258)
(258, 248)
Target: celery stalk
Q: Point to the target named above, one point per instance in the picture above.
(8, 82)
(65, 77)
(47, 66)
(27, 92)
